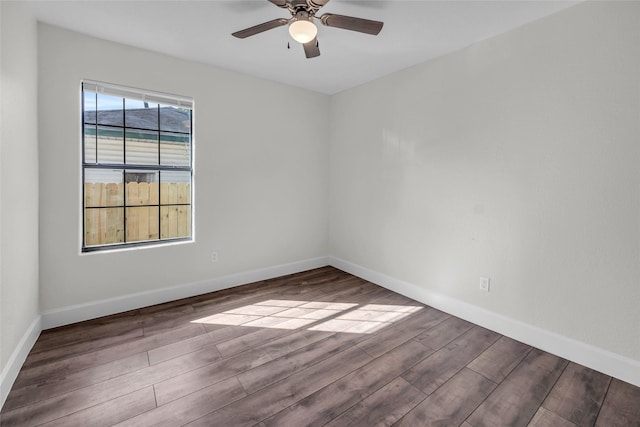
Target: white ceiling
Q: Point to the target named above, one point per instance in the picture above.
(414, 31)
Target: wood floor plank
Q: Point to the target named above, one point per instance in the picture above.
(77, 380)
(162, 321)
(314, 277)
(375, 294)
(438, 368)
(68, 403)
(441, 335)
(256, 337)
(100, 328)
(229, 301)
(300, 339)
(232, 293)
(621, 406)
(63, 367)
(249, 291)
(390, 297)
(396, 334)
(382, 408)
(258, 406)
(192, 381)
(424, 319)
(518, 397)
(110, 412)
(546, 418)
(357, 291)
(578, 395)
(326, 404)
(282, 290)
(205, 376)
(57, 353)
(179, 348)
(222, 334)
(496, 362)
(452, 403)
(189, 408)
(277, 369)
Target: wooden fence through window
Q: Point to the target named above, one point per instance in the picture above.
(153, 211)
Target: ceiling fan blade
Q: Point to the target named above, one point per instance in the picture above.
(350, 23)
(311, 49)
(279, 3)
(256, 29)
(318, 3)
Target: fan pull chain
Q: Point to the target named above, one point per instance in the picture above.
(288, 46)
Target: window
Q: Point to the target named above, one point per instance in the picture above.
(137, 167)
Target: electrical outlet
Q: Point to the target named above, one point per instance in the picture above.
(484, 284)
(214, 256)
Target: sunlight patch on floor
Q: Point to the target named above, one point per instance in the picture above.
(294, 314)
(367, 319)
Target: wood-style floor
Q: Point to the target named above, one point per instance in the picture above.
(315, 348)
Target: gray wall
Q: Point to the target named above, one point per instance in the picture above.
(19, 306)
(516, 159)
(261, 186)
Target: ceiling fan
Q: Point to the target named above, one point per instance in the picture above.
(302, 28)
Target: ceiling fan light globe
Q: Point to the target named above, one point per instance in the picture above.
(303, 31)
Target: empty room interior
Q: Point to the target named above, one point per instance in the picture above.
(427, 214)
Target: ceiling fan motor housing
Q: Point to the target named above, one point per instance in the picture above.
(302, 15)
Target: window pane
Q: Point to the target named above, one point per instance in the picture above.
(103, 226)
(142, 187)
(175, 149)
(90, 138)
(174, 119)
(103, 187)
(175, 187)
(140, 114)
(175, 221)
(110, 110)
(110, 145)
(142, 147)
(142, 223)
(89, 106)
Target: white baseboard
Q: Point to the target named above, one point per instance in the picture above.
(601, 360)
(92, 310)
(19, 355)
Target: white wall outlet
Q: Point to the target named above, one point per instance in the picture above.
(484, 284)
(214, 256)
